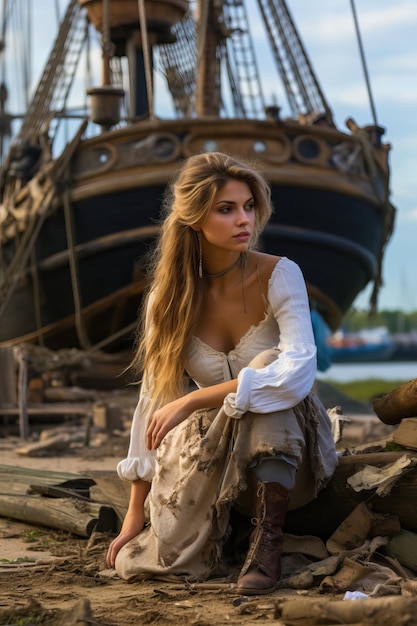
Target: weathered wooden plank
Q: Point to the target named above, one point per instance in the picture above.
(113, 491)
(14, 480)
(8, 377)
(74, 516)
(406, 433)
(389, 611)
(58, 443)
(58, 408)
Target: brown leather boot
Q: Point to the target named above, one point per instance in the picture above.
(262, 568)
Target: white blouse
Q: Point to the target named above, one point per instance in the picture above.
(278, 386)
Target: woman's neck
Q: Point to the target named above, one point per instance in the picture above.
(229, 268)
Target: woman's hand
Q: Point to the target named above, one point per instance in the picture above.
(165, 419)
(134, 521)
(133, 524)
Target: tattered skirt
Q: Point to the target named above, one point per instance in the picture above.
(201, 471)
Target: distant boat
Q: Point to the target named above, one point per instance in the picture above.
(76, 222)
(363, 347)
(405, 346)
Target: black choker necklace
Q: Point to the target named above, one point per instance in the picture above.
(227, 270)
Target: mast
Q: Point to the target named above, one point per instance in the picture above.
(133, 28)
(208, 16)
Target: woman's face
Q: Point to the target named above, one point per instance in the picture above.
(230, 221)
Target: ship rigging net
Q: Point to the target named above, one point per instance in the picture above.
(179, 61)
(236, 51)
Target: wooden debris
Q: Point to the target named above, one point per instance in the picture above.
(19, 479)
(307, 544)
(406, 433)
(112, 490)
(8, 391)
(20, 499)
(57, 443)
(399, 403)
(71, 515)
(323, 515)
(108, 416)
(386, 611)
(353, 531)
(69, 394)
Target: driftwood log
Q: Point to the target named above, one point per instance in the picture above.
(53, 499)
(387, 611)
(19, 479)
(399, 403)
(72, 515)
(111, 490)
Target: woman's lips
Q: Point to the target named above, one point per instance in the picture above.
(244, 236)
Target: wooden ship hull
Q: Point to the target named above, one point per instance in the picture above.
(89, 217)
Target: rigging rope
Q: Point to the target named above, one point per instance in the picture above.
(74, 273)
(364, 66)
(36, 293)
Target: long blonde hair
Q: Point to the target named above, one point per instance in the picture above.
(171, 308)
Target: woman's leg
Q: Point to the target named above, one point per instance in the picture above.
(273, 478)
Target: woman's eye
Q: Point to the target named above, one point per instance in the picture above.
(250, 206)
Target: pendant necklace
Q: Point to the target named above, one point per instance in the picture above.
(227, 270)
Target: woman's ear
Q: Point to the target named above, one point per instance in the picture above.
(196, 227)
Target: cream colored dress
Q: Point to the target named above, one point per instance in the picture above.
(200, 468)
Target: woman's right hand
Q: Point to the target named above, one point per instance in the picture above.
(133, 524)
(134, 521)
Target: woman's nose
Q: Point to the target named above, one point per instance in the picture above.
(242, 217)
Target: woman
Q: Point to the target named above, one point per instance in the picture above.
(251, 437)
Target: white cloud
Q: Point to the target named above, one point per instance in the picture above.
(334, 21)
(409, 216)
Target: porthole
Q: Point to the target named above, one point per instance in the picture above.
(103, 156)
(259, 146)
(210, 145)
(311, 150)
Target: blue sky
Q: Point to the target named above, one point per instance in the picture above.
(388, 29)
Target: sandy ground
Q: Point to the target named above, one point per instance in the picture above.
(47, 575)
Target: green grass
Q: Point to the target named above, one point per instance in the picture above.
(366, 390)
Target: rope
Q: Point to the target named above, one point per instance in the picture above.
(73, 265)
(388, 209)
(364, 66)
(36, 294)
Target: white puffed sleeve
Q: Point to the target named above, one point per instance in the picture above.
(288, 379)
(140, 462)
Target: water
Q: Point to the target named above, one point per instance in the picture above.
(343, 373)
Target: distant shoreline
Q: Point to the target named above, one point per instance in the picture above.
(386, 370)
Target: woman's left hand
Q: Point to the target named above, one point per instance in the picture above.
(164, 419)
